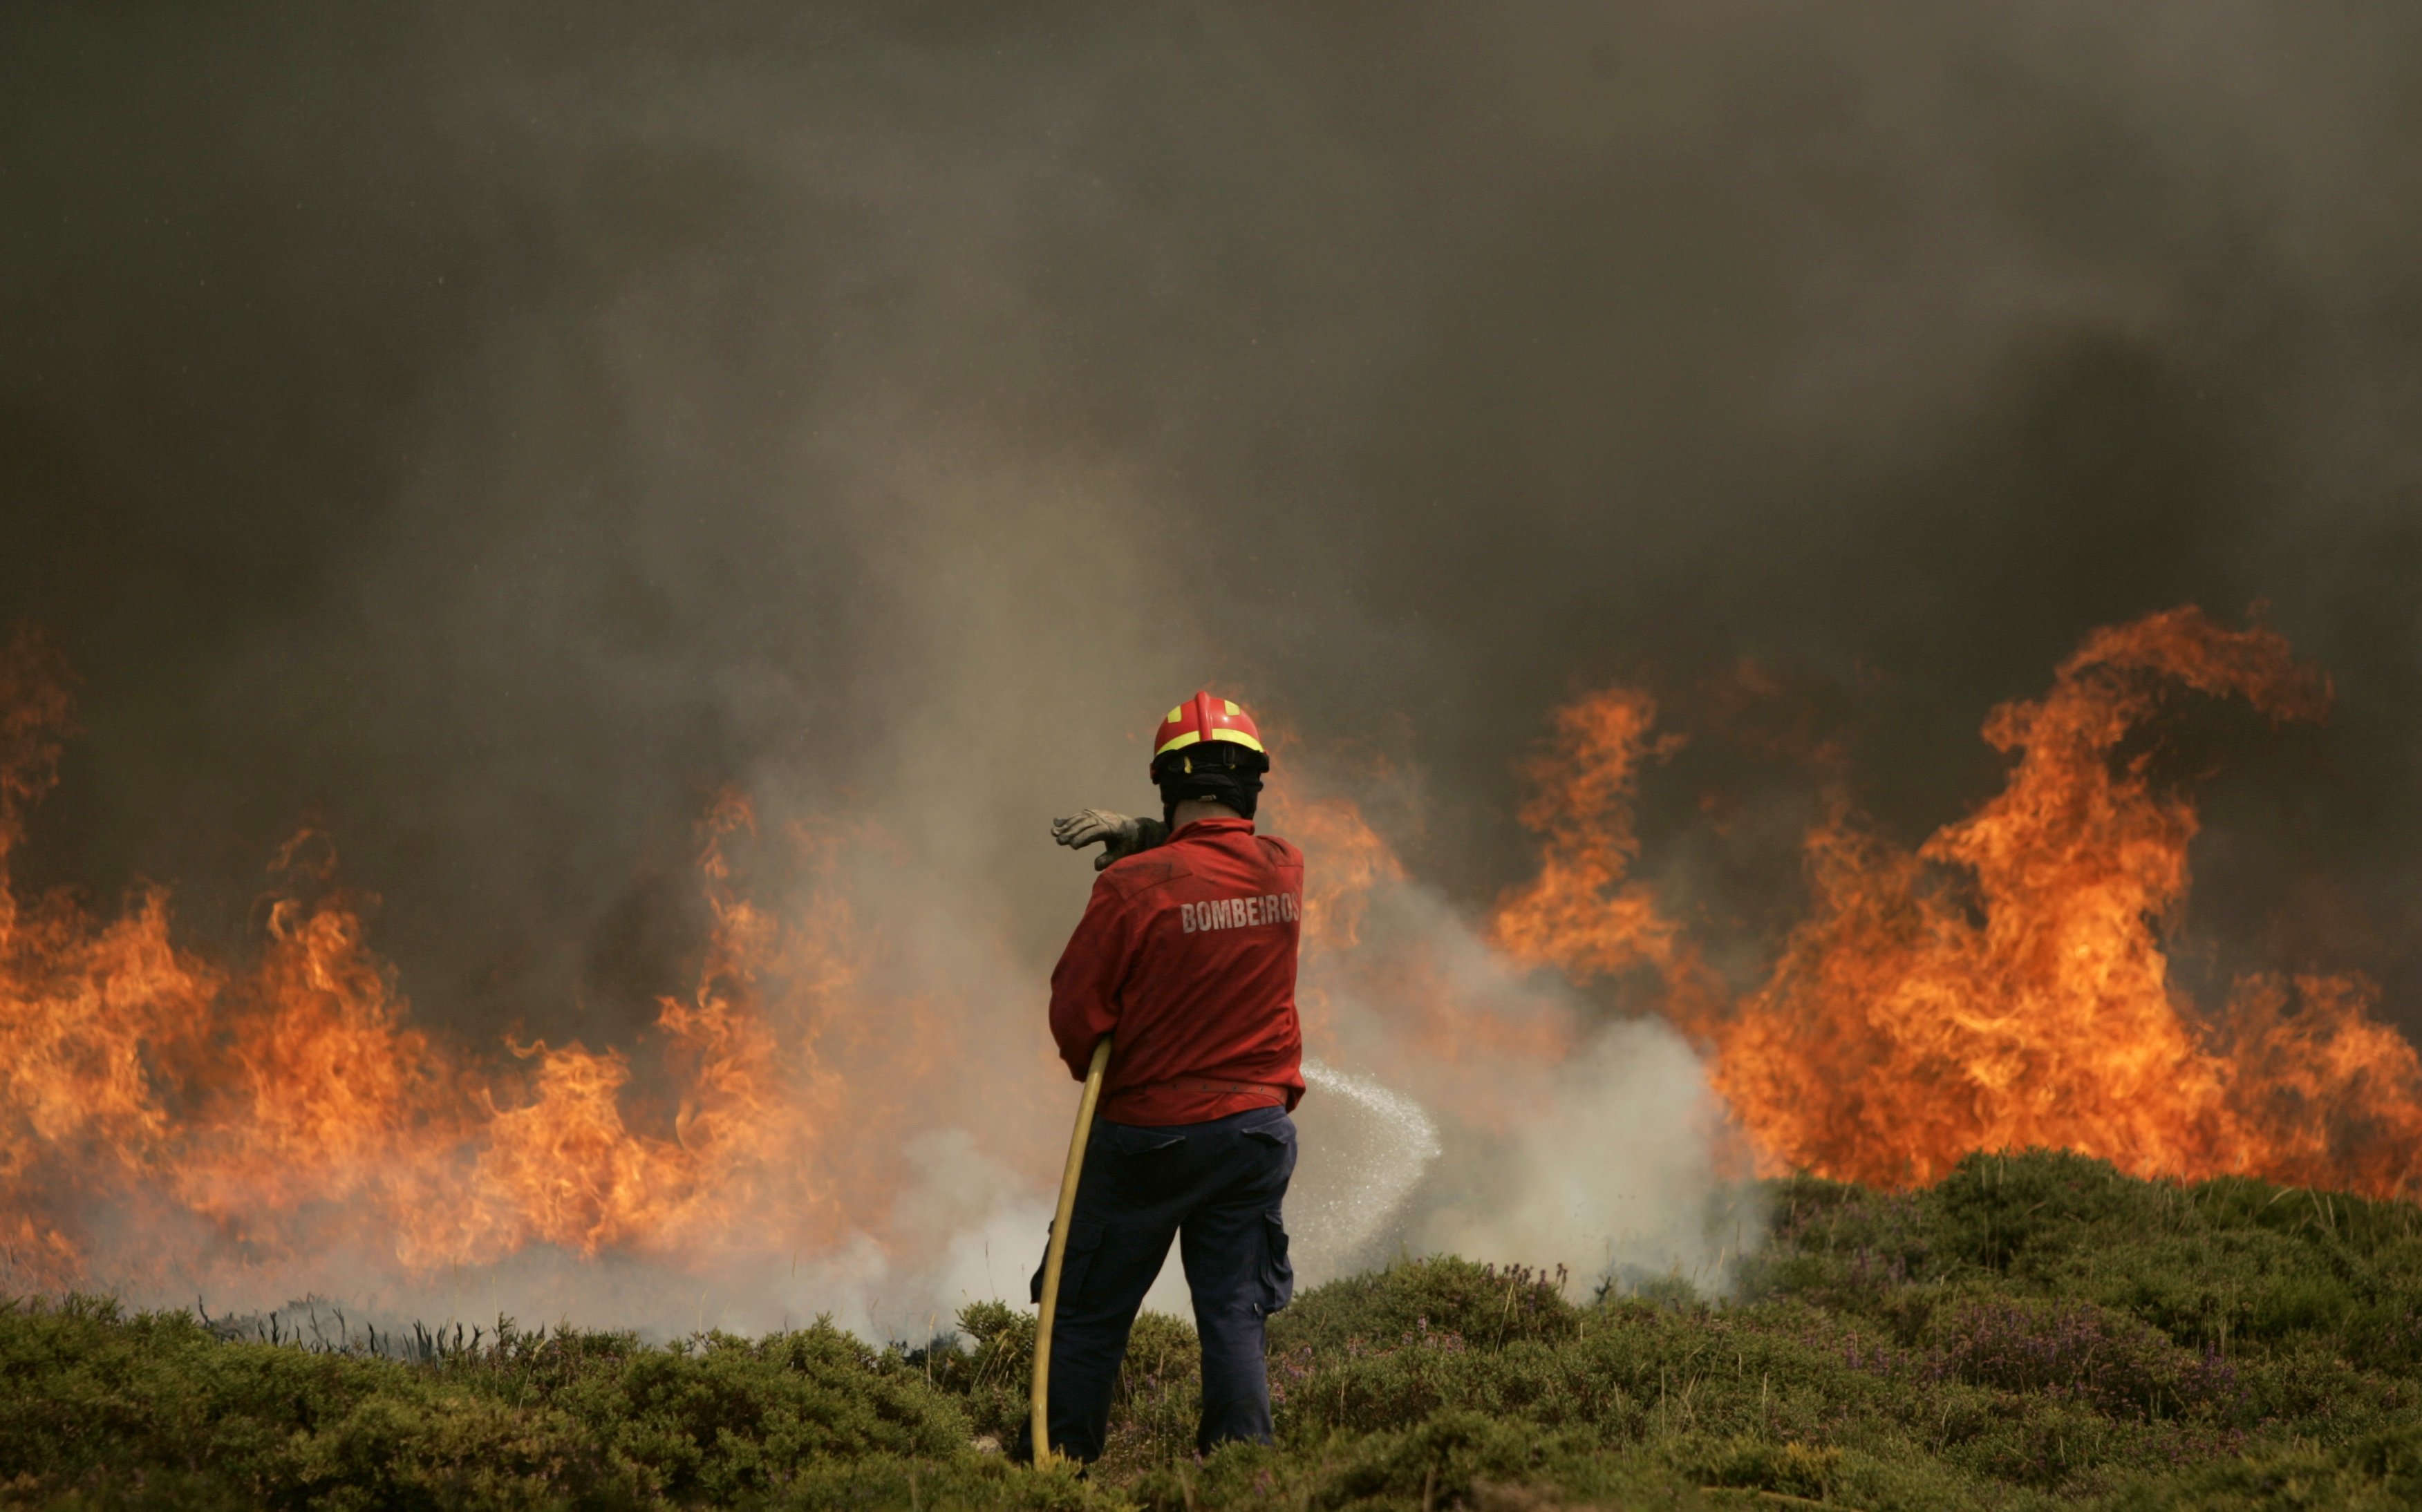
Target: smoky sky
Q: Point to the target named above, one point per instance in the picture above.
(482, 432)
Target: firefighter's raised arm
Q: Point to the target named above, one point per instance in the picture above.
(1120, 835)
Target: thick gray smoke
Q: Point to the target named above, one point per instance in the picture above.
(485, 430)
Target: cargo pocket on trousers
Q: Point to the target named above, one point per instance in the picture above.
(1278, 1136)
(1277, 1274)
(1083, 1240)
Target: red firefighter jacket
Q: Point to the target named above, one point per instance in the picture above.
(1187, 954)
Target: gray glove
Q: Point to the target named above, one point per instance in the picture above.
(1120, 836)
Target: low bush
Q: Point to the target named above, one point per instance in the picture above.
(2035, 1331)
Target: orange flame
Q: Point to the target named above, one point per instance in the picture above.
(1907, 1024)
(166, 1124)
(1582, 914)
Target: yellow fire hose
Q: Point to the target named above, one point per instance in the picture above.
(1056, 1251)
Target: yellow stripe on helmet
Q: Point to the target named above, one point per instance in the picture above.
(1177, 743)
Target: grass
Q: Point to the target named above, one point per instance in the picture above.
(2036, 1331)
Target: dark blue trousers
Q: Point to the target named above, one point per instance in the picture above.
(1217, 1188)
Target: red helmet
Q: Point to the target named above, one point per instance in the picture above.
(1204, 718)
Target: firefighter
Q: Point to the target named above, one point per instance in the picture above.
(1187, 956)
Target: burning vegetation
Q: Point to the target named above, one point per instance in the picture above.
(2005, 985)
(168, 1122)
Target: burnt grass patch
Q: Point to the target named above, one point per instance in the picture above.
(2036, 1331)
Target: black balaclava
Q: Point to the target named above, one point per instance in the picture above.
(1220, 771)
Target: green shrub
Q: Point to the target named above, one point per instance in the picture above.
(1439, 1303)
(110, 1406)
(727, 1416)
(2036, 1330)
